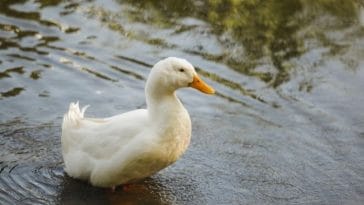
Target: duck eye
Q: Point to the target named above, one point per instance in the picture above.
(181, 70)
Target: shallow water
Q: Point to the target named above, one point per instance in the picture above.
(285, 127)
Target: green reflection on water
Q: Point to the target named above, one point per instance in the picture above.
(269, 32)
(6, 9)
(6, 73)
(12, 92)
(266, 29)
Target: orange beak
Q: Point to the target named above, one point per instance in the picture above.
(200, 85)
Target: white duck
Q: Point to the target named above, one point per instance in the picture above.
(127, 147)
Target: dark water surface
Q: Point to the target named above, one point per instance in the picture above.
(285, 127)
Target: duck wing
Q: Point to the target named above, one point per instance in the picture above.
(100, 138)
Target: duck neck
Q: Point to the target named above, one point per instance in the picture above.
(161, 103)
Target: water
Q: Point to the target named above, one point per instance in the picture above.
(285, 127)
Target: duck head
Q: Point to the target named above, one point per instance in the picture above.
(173, 73)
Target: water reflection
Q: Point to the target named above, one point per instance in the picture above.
(45, 183)
(12, 92)
(267, 32)
(7, 72)
(78, 192)
(259, 38)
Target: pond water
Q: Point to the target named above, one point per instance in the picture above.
(285, 126)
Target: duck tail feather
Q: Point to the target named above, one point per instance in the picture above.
(74, 115)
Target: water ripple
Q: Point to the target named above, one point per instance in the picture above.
(29, 184)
